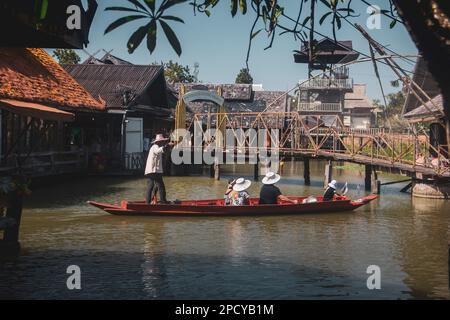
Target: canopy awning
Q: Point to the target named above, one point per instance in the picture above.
(35, 110)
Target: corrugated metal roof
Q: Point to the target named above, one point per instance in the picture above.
(436, 105)
(236, 92)
(426, 81)
(109, 82)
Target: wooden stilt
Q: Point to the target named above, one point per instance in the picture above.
(375, 183)
(256, 171)
(306, 172)
(11, 233)
(328, 173)
(211, 171)
(217, 171)
(368, 178)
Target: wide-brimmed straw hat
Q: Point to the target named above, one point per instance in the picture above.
(159, 137)
(271, 178)
(241, 184)
(332, 184)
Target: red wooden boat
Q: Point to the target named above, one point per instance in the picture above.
(216, 207)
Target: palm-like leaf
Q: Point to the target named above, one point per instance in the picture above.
(138, 4)
(169, 3)
(173, 40)
(122, 21)
(151, 5)
(125, 9)
(148, 30)
(137, 37)
(151, 36)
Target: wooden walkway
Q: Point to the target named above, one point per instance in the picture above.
(325, 136)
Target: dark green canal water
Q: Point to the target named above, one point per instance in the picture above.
(316, 256)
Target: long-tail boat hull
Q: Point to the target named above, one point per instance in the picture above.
(216, 207)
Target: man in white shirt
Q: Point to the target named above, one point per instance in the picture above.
(154, 169)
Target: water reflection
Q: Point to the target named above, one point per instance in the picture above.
(311, 256)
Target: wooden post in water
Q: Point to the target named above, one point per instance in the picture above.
(11, 234)
(216, 169)
(306, 172)
(368, 177)
(328, 173)
(256, 170)
(376, 184)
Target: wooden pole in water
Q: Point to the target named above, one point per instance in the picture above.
(14, 212)
(368, 178)
(328, 173)
(306, 172)
(256, 170)
(375, 183)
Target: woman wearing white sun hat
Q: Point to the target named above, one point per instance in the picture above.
(330, 191)
(270, 194)
(239, 197)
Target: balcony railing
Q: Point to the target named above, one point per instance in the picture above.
(316, 83)
(319, 107)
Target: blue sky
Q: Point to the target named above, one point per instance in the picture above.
(219, 45)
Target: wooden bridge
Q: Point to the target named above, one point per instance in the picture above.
(325, 136)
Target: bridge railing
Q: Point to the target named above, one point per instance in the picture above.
(327, 136)
(319, 107)
(323, 83)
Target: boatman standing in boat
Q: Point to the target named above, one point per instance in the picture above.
(330, 191)
(270, 194)
(154, 168)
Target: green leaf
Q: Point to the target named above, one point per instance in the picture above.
(138, 4)
(338, 22)
(322, 19)
(122, 21)
(123, 9)
(137, 37)
(168, 4)
(306, 21)
(392, 24)
(243, 5)
(171, 36)
(325, 2)
(151, 36)
(151, 5)
(234, 5)
(255, 33)
(264, 14)
(172, 18)
(207, 12)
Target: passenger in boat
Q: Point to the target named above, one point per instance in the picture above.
(154, 169)
(240, 197)
(270, 194)
(228, 192)
(330, 191)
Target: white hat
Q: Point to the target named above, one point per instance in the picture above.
(271, 178)
(159, 137)
(332, 184)
(241, 184)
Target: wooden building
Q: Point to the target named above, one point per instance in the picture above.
(430, 113)
(37, 100)
(359, 112)
(136, 106)
(325, 94)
